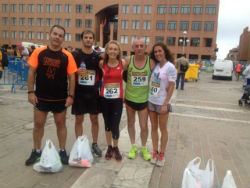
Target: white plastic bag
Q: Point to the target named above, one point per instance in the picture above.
(204, 178)
(228, 181)
(50, 160)
(80, 155)
(188, 181)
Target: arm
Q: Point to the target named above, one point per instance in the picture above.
(31, 82)
(125, 63)
(170, 91)
(101, 63)
(69, 100)
(152, 64)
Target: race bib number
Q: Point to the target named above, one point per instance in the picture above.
(139, 79)
(88, 80)
(155, 88)
(112, 90)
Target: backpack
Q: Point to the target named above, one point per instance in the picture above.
(183, 68)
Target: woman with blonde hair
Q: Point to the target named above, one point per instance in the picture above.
(111, 96)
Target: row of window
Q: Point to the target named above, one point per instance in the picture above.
(172, 9)
(171, 41)
(49, 22)
(48, 7)
(171, 25)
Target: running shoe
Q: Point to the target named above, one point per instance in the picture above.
(118, 156)
(132, 153)
(96, 150)
(109, 153)
(34, 156)
(154, 157)
(161, 160)
(146, 155)
(64, 157)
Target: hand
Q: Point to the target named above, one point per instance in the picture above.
(82, 71)
(164, 108)
(32, 98)
(69, 101)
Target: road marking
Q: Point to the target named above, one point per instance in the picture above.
(209, 102)
(211, 118)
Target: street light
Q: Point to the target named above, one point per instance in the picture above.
(184, 41)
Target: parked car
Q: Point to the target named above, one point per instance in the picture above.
(223, 69)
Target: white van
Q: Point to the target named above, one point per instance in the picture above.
(223, 68)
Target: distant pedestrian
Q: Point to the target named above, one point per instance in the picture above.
(182, 66)
(51, 85)
(159, 102)
(246, 74)
(238, 71)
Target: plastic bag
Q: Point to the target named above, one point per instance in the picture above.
(80, 155)
(228, 181)
(188, 181)
(50, 160)
(204, 178)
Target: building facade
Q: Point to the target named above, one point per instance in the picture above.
(244, 45)
(187, 26)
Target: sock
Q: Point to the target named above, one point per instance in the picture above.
(38, 150)
(134, 145)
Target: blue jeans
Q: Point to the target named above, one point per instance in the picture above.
(182, 76)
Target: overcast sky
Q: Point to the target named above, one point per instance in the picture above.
(234, 16)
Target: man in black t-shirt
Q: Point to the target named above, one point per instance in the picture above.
(87, 88)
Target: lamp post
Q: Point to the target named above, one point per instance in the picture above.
(184, 41)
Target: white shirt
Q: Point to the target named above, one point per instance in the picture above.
(246, 72)
(159, 82)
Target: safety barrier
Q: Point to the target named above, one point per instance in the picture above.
(16, 74)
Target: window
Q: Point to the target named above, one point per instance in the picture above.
(30, 8)
(196, 26)
(172, 25)
(22, 8)
(210, 9)
(49, 22)
(30, 35)
(39, 22)
(39, 8)
(22, 35)
(78, 37)
(171, 41)
(161, 9)
(47, 36)
(135, 24)
(5, 34)
(89, 8)
(88, 23)
(58, 21)
(197, 9)
(208, 42)
(160, 25)
(209, 26)
(49, 8)
(13, 21)
(146, 25)
(124, 39)
(67, 37)
(159, 39)
(185, 9)
(133, 38)
(5, 21)
(58, 8)
(13, 7)
(125, 9)
(147, 9)
(183, 26)
(124, 24)
(31, 21)
(78, 23)
(173, 9)
(21, 21)
(78, 8)
(13, 34)
(147, 40)
(67, 23)
(40, 35)
(136, 9)
(195, 42)
(5, 7)
(68, 8)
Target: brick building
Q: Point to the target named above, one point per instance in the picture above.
(186, 26)
(244, 45)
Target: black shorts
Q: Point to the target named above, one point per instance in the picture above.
(53, 106)
(136, 106)
(83, 105)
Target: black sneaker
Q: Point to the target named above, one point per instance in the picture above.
(109, 153)
(64, 157)
(96, 150)
(34, 156)
(118, 156)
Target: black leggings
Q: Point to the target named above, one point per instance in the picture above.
(112, 112)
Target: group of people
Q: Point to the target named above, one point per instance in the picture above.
(92, 84)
